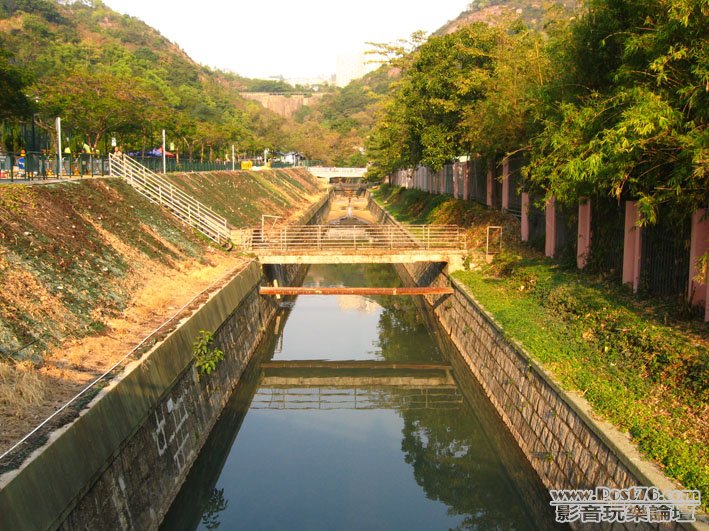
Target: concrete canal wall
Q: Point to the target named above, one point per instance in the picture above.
(122, 461)
(120, 464)
(556, 430)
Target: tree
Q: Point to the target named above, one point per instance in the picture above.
(636, 124)
(13, 101)
(424, 120)
(95, 104)
(504, 119)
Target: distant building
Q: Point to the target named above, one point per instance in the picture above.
(311, 81)
(352, 66)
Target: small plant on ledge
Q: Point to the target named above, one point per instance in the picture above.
(206, 358)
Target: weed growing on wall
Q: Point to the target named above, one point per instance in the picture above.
(206, 357)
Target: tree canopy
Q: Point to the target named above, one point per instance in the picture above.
(611, 103)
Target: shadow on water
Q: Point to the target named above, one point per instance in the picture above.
(199, 499)
(402, 439)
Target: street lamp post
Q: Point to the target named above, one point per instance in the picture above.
(164, 163)
(60, 169)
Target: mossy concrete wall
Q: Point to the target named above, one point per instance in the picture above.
(121, 462)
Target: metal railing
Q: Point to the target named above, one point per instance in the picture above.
(34, 165)
(312, 238)
(158, 190)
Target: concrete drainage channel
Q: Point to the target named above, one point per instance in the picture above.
(124, 459)
(566, 446)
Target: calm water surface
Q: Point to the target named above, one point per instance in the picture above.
(399, 439)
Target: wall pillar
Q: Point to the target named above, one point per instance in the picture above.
(632, 246)
(699, 291)
(489, 184)
(525, 217)
(550, 228)
(442, 180)
(505, 183)
(466, 180)
(456, 172)
(583, 247)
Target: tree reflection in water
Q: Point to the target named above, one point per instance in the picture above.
(455, 464)
(214, 505)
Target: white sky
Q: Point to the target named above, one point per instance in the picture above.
(293, 38)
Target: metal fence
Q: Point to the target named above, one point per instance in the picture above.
(514, 197)
(497, 186)
(607, 237)
(537, 224)
(478, 180)
(35, 165)
(448, 176)
(172, 165)
(665, 257)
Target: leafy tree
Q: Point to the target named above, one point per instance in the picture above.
(96, 104)
(635, 124)
(423, 122)
(13, 101)
(504, 119)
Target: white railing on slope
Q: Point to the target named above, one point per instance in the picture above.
(160, 191)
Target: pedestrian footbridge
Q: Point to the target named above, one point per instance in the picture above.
(355, 244)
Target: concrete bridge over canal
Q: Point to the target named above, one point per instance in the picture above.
(352, 238)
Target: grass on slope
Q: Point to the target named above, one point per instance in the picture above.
(243, 196)
(64, 253)
(417, 207)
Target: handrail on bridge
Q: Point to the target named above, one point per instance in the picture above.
(159, 190)
(323, 238)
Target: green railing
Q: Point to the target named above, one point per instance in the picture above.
(35, 165)
(41, 166)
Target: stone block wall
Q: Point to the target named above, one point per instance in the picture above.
(566, 446)
(137, 488)
(122, 461)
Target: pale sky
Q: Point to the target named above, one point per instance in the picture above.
(293, 38)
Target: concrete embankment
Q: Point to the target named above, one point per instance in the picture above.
(556, 430)
(122, 461)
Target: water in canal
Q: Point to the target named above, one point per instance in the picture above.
(356, 415)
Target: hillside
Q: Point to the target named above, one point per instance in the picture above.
(242, 196)
(88, 268)
(111, 75)
(534, 13)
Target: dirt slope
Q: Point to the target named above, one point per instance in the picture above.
(89, 268)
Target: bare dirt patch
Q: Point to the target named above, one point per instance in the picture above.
(29, 394)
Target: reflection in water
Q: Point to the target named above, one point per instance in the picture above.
(387, 439)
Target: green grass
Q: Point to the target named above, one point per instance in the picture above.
(648, 376)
